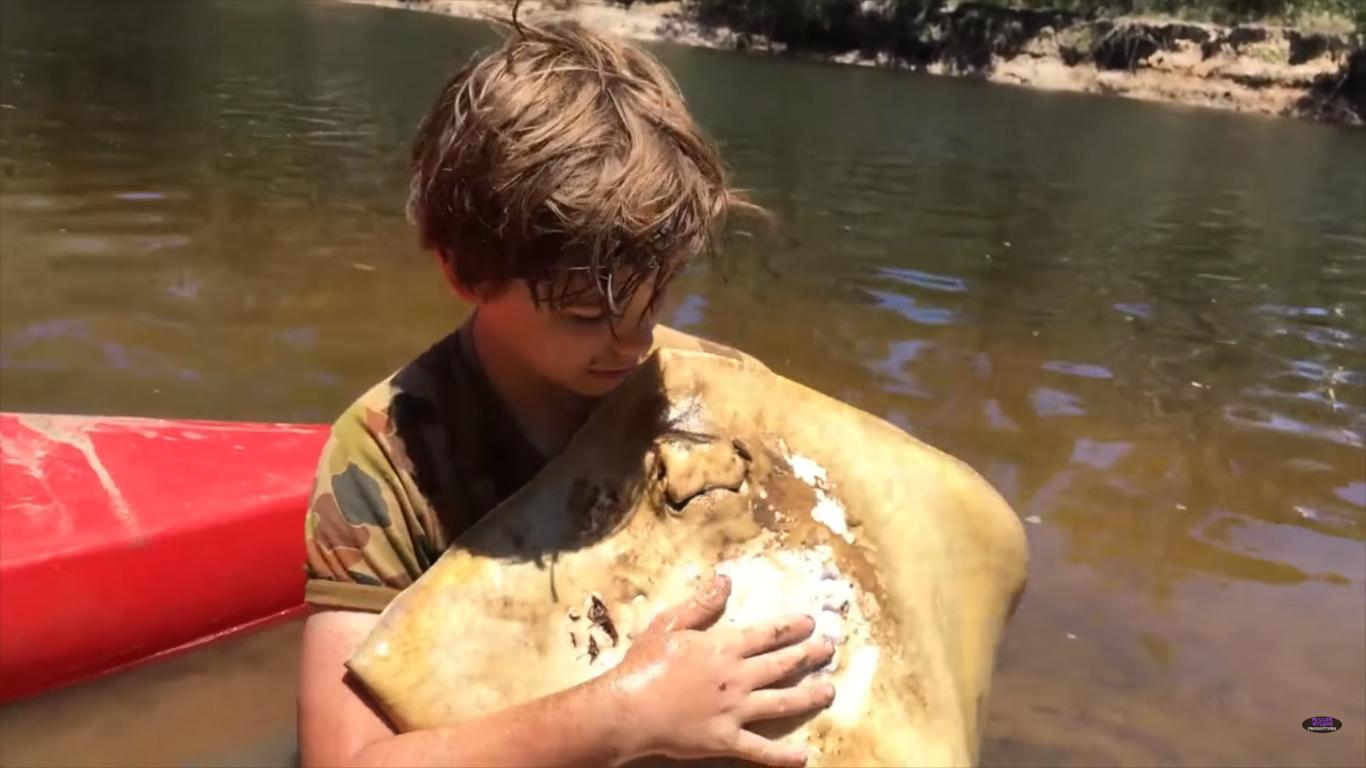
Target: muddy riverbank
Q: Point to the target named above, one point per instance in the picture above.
(1247, 68)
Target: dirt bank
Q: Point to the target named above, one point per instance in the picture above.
(1249, 68)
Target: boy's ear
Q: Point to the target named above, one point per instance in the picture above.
(466, 293)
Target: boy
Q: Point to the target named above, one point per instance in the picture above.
(561, 184)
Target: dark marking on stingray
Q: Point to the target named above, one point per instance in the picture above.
(595, 509)
(599, 616)
(592, 649)
(688, 436)
(764, 513)
(583, 494)
(554, 593)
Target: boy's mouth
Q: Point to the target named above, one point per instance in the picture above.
(613, 373)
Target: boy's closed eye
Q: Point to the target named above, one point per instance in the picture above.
(585, 315)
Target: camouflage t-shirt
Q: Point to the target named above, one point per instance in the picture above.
(411, 465)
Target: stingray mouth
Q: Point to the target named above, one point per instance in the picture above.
(689, 468)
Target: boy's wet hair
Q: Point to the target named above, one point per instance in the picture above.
(568, 160)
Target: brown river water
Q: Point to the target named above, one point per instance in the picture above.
(1146, 325)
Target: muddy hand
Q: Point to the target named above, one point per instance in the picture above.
(688, 692)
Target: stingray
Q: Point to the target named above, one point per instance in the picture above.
(905, 556)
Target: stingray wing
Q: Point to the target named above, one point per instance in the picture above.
(700, 461)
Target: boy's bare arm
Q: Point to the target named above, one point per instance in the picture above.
(679, 692)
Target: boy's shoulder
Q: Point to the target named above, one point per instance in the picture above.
(422, 381)
(444, 433)
(416, 414)
(433, 375)
(406, 469)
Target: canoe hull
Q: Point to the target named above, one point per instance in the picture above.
(126, 539)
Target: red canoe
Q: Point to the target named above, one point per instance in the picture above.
(122, 540)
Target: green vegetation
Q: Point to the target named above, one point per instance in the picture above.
(967, 37)
(1341, 14)
(847, 24)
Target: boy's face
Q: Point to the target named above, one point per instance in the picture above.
(573, 347)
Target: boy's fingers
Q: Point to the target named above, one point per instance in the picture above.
(701, 609)
(771, 667)
(773, 703)
(756, 749)
(769, 635)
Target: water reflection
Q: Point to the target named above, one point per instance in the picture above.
(225, 705)
(1143, 325)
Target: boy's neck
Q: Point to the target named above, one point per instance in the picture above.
(547, 414)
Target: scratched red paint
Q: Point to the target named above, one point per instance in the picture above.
(122, 539)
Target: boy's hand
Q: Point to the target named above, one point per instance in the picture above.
(688, 693)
